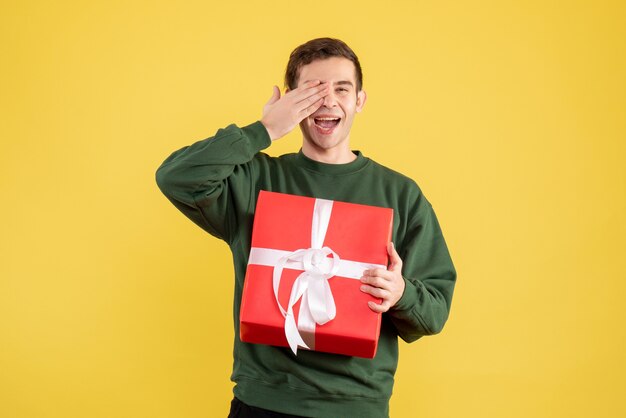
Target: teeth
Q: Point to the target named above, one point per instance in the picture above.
(327, 118)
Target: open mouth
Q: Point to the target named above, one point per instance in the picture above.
(326, 125)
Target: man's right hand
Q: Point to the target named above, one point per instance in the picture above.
(282, 114)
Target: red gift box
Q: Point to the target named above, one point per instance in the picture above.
(302, 286)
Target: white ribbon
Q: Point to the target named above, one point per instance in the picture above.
(318, 304)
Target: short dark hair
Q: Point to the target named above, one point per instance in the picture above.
(316, 49)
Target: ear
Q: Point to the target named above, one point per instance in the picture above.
(361, 98)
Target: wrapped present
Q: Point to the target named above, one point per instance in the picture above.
(302, 284)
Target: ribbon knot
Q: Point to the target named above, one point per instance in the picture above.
(317, 263)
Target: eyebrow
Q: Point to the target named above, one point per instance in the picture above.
(340, 82)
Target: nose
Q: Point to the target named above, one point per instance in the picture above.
(330, 100)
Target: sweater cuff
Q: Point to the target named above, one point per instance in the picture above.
(408, 298)
(258, 135)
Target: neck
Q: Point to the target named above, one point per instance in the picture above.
(335, 155)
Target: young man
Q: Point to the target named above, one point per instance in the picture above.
(215, 182)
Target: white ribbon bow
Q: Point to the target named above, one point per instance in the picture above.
(318, 304)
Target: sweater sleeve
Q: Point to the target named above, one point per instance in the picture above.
(211, 181)
(429, 276)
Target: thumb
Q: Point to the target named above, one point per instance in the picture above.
(395, 262)
(275, 95)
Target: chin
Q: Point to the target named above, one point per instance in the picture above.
(323, 143)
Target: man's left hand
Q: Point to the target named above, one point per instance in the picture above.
(387, 285)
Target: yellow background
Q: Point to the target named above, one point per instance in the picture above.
(511, 115)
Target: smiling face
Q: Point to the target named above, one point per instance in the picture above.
(326, 133)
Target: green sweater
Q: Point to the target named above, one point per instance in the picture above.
(215, 182)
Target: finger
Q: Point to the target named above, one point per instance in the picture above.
(377, 273)
(380, 282)
(308, 111)
(395, 262)
(312, 99)
(312, 94)
(380, 308)
(376, 292)
(309, 105)
(275, 95)
(303, 88)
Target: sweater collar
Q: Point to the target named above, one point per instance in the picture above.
(334, 169)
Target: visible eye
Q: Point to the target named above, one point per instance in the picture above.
(342, 89)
